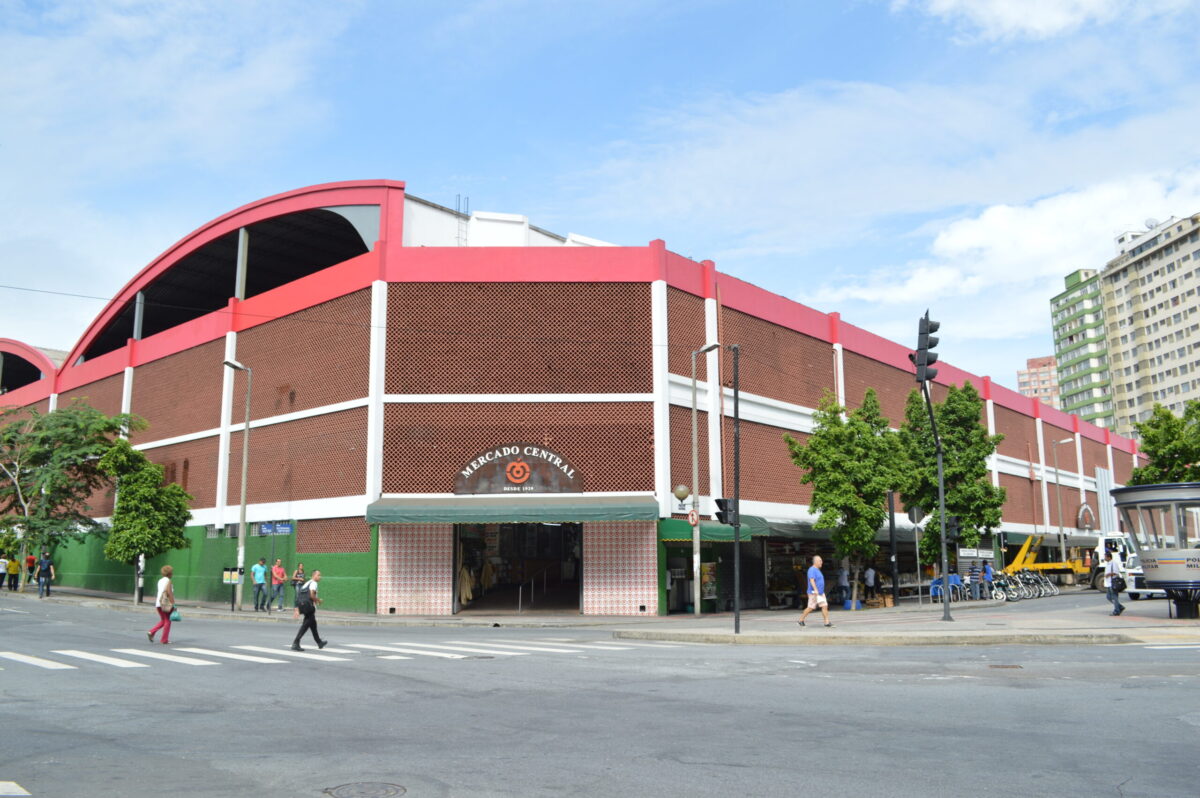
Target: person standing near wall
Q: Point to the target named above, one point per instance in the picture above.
(258, 575)
(14, 573)
(278, 580)
(306, 602)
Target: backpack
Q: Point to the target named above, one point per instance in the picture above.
(303, 597)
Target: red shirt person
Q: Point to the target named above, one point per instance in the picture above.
(278, 579)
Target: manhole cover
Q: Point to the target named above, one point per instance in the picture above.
(366, 789)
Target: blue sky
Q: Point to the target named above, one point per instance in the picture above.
(865, 156)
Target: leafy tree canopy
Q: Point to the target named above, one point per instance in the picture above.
(851, 462)
(149, 517)
(966, 447)
(1172, 444)
(49, 469)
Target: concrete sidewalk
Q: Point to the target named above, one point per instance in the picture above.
(1076, 617)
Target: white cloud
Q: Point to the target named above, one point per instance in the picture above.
(1039, 19)
(109, 106)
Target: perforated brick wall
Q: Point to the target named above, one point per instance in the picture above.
(685, 333)
(308, 359)
(1020, 434)
(681, 448)
(104, 395)
(775, 361)
(620, 568)
(519, 338)
(312, 458)
(768, 473)
(892, 385)
(416, 568)
(611, 444)
(193, 466)
(1022, 504)
(332, 536)
(180, 393)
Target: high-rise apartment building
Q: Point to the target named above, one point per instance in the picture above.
(1039, 379)
(1080, 348)
(1152, 318)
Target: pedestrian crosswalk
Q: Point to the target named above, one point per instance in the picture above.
(389, 649)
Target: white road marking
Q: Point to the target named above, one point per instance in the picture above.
(287, 652)
(230, 655)
(528, 648)
(655, 645)
(12, 788)
(443, 654)
(38, 662)
(19, 612)
(590, 646)
(102, 659)
(332, 650)
(466, 649)
(135, 652)
(1179, 647)
(393, 656)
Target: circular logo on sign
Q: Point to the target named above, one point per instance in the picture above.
(517, 471)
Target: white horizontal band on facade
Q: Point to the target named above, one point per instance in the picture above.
(298, 415)
(497, 398)
(301, 510)
(1020, 468)
(752, 407)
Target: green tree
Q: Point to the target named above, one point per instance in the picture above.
(48, 470)
(966, 447)
(1172, 444)
(851, 462)
(149, 516)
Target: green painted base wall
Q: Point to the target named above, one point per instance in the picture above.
(347, 580)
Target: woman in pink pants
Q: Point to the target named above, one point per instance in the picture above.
(163, 604)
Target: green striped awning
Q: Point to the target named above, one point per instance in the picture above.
(499, 509)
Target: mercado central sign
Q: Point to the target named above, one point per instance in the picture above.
(518, 468)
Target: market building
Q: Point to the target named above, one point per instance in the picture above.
(449, 412)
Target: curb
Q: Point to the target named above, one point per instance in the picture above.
(918, 639)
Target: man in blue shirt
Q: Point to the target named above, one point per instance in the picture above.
(988, 575)
(258, 574)
(816, 592)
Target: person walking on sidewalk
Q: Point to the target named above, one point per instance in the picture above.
(45, 574)
(258, 575)
(1112, 570)
(164, 603)
(14, 573)
(816, 592)
(307, 601)
(278, 580)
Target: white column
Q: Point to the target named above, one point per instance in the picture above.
(1041, 444)
(993, 463)
(839, 372)
(376, 383)
(1079, 468)
(660, 366)
(713, 407)
(127, 393)
(227, 377)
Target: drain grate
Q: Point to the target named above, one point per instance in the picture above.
(365, 789)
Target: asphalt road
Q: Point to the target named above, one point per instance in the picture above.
(622, 718)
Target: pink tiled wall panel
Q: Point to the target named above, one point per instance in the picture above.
(416, 565)
(620, 568)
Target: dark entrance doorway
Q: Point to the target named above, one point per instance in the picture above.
(519, 566)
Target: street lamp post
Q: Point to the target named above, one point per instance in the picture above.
(696, 483)
(241, 549)
(1062, 538)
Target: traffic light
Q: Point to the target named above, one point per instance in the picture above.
(725, 511)
(926, 341)
(953, 529)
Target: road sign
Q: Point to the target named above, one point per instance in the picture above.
(693, 518)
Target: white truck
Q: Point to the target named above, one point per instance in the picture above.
(1122, 548)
